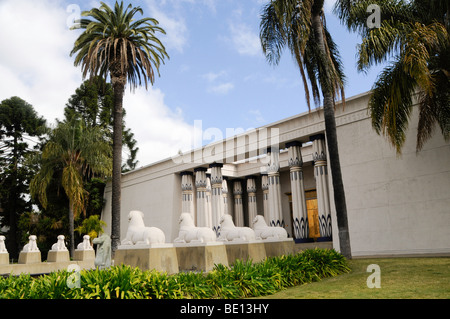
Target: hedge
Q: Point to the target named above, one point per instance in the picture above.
(242, 280)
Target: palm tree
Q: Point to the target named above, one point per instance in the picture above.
(114, 44)
(414, 37)
(72, 152)
(300, 26)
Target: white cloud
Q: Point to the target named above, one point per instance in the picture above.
(244, 39)
(215, 86)
(222, 88)
(212, 76)
(174, 26)
(35, 65)
(34, 60)
(160, 133)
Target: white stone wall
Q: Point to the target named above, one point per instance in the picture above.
(396, 204)
(156, 194)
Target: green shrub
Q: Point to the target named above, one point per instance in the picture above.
(244, 279)
(194, 285)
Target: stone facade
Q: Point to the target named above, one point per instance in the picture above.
(396, 204)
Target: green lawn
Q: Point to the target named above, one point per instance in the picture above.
(401, 278)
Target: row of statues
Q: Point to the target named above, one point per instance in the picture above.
(102, 257)
(60, 245)
(139, 234)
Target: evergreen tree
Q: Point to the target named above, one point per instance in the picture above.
(19, 124)
(93, 102)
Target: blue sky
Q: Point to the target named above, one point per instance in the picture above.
(216, 74)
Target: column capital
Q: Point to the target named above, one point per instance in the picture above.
(224, 187)
(265, 183)
(184, 173)
(216, 174)
(200, 177)
(237, 187)
(295, 156)
(251, 185)
(319, 149)
(186, 183)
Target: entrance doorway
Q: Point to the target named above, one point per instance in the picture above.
(313, 213)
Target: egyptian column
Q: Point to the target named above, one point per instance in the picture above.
(200, 184)
(238, 208)
(299, 212)
(208, 201)
(275, 212)
(321, 176)
(265, 189)
(251, 191)
(225, 196)
(187, 194)
(216, 196)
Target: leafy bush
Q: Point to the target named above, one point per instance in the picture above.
(244, 279)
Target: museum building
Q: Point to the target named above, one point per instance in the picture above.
(396, 204)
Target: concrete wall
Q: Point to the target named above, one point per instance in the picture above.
(157, 193)
(396, 204)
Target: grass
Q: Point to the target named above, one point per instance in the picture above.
(401, 278)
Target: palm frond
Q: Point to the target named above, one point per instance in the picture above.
(434, 109)
(391, 103)
(116, 44)
(415, 36)
(287, 23)
(271, 34)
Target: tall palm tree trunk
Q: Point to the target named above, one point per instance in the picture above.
(118, 84)
(71, 229)
(332, 143)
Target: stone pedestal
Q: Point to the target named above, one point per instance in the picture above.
(201, 257)
(4, 258)
(161, 257)
(254, 250)
(29, 257)
(279, 247)
(58, 256)
(84, 255)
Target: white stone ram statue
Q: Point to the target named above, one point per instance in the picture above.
(139, 234)
(230, 232)
(189, 233)
(262, 231)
